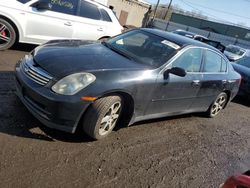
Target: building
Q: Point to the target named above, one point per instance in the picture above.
(219, 28)
(130, 12)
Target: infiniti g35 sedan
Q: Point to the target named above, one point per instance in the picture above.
(138, 75)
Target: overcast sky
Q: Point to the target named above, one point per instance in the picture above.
(233, 11)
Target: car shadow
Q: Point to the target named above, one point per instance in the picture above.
(242, 100)
(16, 120)
(23, 47)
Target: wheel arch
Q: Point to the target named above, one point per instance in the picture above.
(14, 25)
(228, 92)
(128, 109)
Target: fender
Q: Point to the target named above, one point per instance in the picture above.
(4, 14)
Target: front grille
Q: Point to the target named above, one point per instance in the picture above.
(34, 72)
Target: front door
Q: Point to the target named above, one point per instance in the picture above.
(176, 94)
(89, 25)
(56, 23)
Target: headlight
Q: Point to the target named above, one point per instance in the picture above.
(73, 83)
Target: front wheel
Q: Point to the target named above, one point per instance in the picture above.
(219, 104)
(102, 116)
(7, 35)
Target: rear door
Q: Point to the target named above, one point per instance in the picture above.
(214, 81)
(57, 23)
(176, 94)
(89, 24)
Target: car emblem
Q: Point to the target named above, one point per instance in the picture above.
(26, 69)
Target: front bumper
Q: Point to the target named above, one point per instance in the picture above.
(53, 110)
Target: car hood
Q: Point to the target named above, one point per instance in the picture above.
(61, 58)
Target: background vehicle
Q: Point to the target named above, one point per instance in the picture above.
(190, 35)
(201, 38)
(138, 75)
(239, 181)
(38, 21)
(233, 52)
(242, 66)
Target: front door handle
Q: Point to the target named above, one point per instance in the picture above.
(196, 82)
(68, 23)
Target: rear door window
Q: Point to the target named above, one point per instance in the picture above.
(89, 10)
(213, 62)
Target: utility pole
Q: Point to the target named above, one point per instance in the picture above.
(157, 4)
(169, 6)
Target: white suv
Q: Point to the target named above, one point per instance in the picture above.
(38, 21)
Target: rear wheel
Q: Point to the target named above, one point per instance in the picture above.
(7, 35)
(102, 117)
(219, 103)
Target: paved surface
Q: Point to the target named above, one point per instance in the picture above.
(184, 151)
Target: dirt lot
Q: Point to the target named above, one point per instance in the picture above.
(184, 151)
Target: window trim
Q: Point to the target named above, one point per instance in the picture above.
(204, 62)
(167, 65)
(201, 61)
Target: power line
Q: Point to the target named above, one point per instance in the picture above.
(217, 10)
(214, 17)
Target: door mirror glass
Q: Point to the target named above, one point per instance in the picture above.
(175, 71)
(43, 6)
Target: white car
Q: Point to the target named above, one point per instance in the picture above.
(38, 21)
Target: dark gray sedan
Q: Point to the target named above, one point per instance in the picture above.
(138, 75)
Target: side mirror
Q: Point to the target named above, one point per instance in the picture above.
(176, 71)
(43, 5)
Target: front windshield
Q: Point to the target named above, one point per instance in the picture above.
(143, 47)
(235, 50)
(244, 62)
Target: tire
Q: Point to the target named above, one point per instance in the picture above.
(8, 35)
(218, 104)
(102, 117)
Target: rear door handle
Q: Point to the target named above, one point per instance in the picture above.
(196, 82)
(100, 29)
(68, 23)
(224, 81)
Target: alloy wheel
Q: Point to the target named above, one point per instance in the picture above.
(110, 118)
(5, 35)
(218, 105)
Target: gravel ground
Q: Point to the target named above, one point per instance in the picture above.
(183, 151)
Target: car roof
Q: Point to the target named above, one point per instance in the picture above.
(178, 39)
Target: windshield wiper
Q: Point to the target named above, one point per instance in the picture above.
(117, 51)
